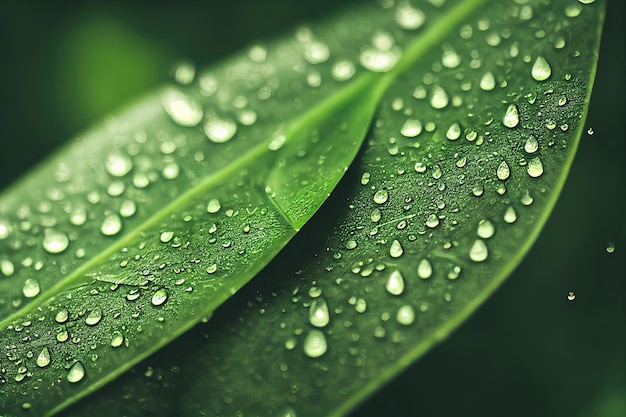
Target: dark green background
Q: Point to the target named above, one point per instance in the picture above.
(527, 351)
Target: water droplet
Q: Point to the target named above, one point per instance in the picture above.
(213, 206)
(610, 247)
(396, 250)
(316, 52)
(381, 196)
(94, 316)
(76, 372)
(419, 167)
(62, 316)
(571, 296)
(211, 269)
(526, 199)
(220, 130)
(531, 145)
(541, 70)
(43, 359)
(438, 98)
(379, 61)
(535, 167)
(343, 70)
(478, 252)
(31, 288)
(406, 315)
(318, 313)
(184, 72)
(351, 244)
(432, 221)
(5, 229)
(485, 229)
(589, 132)
(503, 172)
(117, 339)
(166, 236)
(454, 132)
(411, 128)
(510, 216)
(487, 81)
(409, 17)
(159, 297)
(171, 171)
(111, 225)
(424, 269)
(55, 242)
(182, 109)
(315, 344)
(395, 283)
(511, 117)
(118, 165)
(257, 53)
(7, 268)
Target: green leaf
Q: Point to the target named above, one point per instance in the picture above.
(242, 361)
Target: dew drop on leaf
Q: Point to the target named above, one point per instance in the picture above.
(213, 206)
(396, 250)
(571, 296)
(94, 317)
(411, 128)
(487, 81)
(76, 372)
(510, 215)
(409, 17)
(31, 288)
(531, 145)
(166, 236)
(343, 70)
(381, 196)
(159, 297)
(535, 167)
(117, 339)
(5, 229)
(424, 269)
(511, 117)
(541, 70)
(220, 130)
(111, 225)
(43, 359)
(379, 61)
(438, 98)
(182, 109)
(395, 283)
(406, 315)
(478, 251)
(315, 344)
(485, 229)
(610, 247)
(318, 313)
(432, 221)
(184, 72)
(7, 268)
(503, 172)
(54, 241)
(316, 52)
(118, 165)
(62, 316)
(454, 131)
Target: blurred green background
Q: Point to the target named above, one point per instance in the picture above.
(527, 351)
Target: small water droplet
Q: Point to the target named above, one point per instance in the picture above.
(343, 70)
(118, 165)
(316, 52)
(438, 98)
(503, 172)
(450, 58)
(487, 81)
(257, 53)
(526, 199)
(171, 171)
(315, 344)
(589, 132)
(76, 372)
(117, 339)
(571, 296)
(213, 206)
(43, 359)
(511, 117)
(182, 109)
(395, 283)
(31, 288)
(94, 317)
(535, 167)
(531, 145)
(409, 17)
(318, 313)
(454, 132)
(351, 244)
(424, 269)
(432, 221)
(396, 250)
(54, 241)
(541, 70)
(379, 61)
(610, 247)
(411, 128)
(7, 268)
(485, 229)
(406, 315)
(220, 130)
(381, 196)
(510, 216)
(62, 316)
(111, 225)
(478, 251)
(159, 297)
(184, 72)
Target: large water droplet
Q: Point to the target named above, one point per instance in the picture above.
(487, 81)
(182, 109)
(159, 297)
(220, 130)
(111, 225)
(406, 315)
(31, 288)
(94, 317)
(454, 132)
(381, 196)
(531, 145)
(7, 268)
(503, 172)
(432, 221)
(118, 165)
(315, 344)
(438, 98)
(76, 372)
(511, 117)
(535, 167)
(395, 283)
(541, 70)
(478, 251)
(5, 229)
(318, 313)
(184, 72)
(43, 359)
(316, 52)
(55, 242)
(485, 229)
(424, 269)
(117, 339)
(409, 17)
(510, 215)
(213, 206)
(396, 250)
(411, 128)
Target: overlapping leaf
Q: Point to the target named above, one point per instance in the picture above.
(469, 150)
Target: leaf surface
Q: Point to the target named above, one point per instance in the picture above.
(470, 149)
